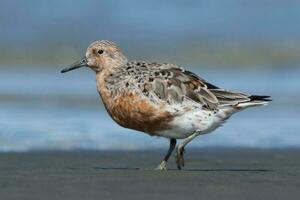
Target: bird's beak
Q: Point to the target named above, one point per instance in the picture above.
(81, 63)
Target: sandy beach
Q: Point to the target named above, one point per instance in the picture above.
(209, 174)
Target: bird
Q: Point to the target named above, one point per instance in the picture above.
(160, 99)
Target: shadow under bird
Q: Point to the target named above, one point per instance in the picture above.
(160, 99)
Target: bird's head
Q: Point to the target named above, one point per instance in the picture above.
(100, 55)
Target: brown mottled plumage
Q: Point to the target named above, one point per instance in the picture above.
(160, 99)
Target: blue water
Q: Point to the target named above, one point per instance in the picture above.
(43, 109)
(48, 110)
(35, 23)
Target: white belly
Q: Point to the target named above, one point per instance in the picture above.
(196, 120)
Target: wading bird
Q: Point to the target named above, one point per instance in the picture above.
(160, 99)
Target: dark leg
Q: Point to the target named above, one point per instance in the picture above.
(171, 149)
(180, 149)
(163, 164)
(180, 158)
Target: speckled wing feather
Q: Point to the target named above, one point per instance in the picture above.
(173, 84)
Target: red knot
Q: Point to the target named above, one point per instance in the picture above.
(160, 99)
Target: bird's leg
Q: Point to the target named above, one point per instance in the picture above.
(180, 149)
(179, 157)
(163, 164)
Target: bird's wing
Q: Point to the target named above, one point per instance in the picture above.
(173, 84)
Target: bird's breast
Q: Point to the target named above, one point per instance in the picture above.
(131, 110)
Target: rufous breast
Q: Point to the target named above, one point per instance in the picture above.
(130, 110)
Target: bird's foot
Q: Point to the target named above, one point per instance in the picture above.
(162, 166)
(179, 157)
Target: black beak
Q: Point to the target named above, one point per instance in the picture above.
(81, 63)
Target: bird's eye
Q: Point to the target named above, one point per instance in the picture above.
(100, 51)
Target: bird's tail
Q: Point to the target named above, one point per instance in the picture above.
(255, 100)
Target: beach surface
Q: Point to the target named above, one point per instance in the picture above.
(209, 174)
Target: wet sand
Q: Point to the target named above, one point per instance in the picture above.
(209, 174)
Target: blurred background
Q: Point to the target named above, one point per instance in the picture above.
(251, 46)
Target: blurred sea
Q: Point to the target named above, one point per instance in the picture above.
(260, 33)
(251, 46)
(48, 110)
